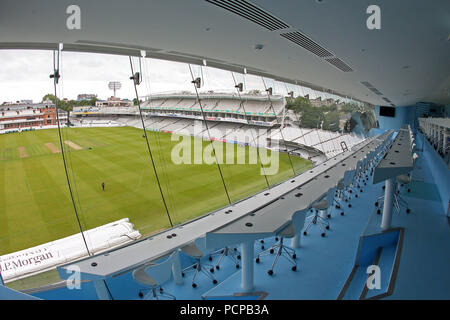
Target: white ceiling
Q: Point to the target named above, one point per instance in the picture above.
(407, 60)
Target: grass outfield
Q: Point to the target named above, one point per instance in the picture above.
(35, 206)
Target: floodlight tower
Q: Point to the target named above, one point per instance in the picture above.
(114, 85)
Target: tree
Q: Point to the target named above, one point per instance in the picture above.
(62, 104)
(135, 101)
(50, 97)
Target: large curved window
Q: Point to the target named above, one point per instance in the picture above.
(124, 147)
(36, 211)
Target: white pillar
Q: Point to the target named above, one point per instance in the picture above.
(176, 269)
(102, 290)
(247, 252)
(388, 203)
(295, 242)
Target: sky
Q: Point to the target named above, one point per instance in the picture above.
(24, 75)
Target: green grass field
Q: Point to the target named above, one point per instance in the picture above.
(35, 206)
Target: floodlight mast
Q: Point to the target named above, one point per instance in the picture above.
(114, 85)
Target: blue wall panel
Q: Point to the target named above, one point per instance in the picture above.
(403, 115)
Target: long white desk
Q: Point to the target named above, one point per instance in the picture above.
(273, 217)
(126, 258)
(397, 161)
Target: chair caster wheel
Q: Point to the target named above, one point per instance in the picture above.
(304, 233)
(271, 251)
(342, 213)
(215, 281)
(294, 256)
(237, 266)
(356, 196)
(262, 247)
(217, 267)
(323, 234)
(376, 204)
(327, 227)
(361, 190)
(239, 257)
(329, 215)
(262, 241)
(276, 238)
(161, 290)
(338, 207)
(194, 285)
(211, 270)
(294, 268)
(257, 260)
(182, 274)
(349, 205)
(141, 295)
(409, 190)
(408, 211)
(235, 249)
(210, 258)
(270, 272)
(378, 211)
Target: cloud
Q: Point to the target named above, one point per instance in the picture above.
(25, 75)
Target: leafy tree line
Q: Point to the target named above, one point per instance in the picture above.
(325, 117)
(69, 104)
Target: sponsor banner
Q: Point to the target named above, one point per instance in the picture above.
(40, 258)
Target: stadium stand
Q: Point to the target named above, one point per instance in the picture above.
(180, 113)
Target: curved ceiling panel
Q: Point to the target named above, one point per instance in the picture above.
(323, 44)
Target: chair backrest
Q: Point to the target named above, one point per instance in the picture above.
(359, 167)
(348, 177)
(298, 219)
(330, 195)
(159, 273)
(200, 243)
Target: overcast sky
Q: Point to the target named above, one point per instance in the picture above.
(24, 75)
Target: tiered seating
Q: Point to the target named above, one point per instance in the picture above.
(177, 125)
(228, 106)
(186, 104)
(256, 107)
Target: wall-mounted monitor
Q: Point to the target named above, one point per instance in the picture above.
(387, 111)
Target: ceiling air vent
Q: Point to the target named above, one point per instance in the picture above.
(389, 101)
(251, 12)
(369, 86)
(341, 65)
(306, 43)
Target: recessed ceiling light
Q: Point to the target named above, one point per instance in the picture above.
(259, 46)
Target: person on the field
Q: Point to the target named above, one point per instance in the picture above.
(103, 186)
